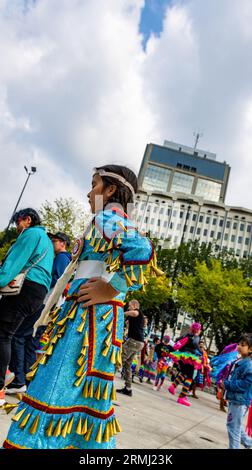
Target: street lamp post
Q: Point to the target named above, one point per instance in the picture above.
(29, 173)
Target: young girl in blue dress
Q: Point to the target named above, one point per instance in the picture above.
(69, 401)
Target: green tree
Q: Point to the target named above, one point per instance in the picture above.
(7, 238)
(217, 297)
(64, 215)
(154, 298)
(183, 258)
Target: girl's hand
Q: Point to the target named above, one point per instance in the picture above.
(96, 291)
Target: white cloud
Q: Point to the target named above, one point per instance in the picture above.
(72, 94)
(77, 90)
(202, 70)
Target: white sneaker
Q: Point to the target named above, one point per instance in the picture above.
(10, 391)
(155, 388)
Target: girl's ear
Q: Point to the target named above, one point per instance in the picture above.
(112, 189)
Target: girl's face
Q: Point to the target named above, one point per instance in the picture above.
(99, 190)
(243, 349)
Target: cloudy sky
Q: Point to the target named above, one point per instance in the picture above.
(84, 83)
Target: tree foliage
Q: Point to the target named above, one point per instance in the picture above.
(64, 215)
(7, 238)
(154, 299)
(217, 297)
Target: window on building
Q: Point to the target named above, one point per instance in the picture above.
(201, 218)
(242, 227)
(156, 178)
(176, 239)
(205, 233)
(221, 222)
(212, 234)
(198, 231)
(249, 228)
(214, 221)
(228, 224)
(218, 235)
(191, 229)
(171, 225)
(161, 210)
(182, 183)
(245, 254)
(226, 236)
(238, 252)
(174, 213)
(146, 220)
(181, 214)
(207, 220)
(235, 225)
(165, 223)
(152, 221)
(239, 239)
(194, 217)
(233, 238)
(155, 209)
(208, 189)
(178, 226)
(168, 211)
(159, 222)
(247, 241)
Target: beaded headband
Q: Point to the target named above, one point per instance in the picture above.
(117, 177)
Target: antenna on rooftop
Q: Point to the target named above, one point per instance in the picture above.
(197, 136)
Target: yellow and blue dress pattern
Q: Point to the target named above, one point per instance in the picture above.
(68, 403)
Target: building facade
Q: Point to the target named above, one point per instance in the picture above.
(178, 204)
(173, 168)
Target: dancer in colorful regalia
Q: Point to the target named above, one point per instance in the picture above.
(162, 351)
(151, 362)
(201, 377)
(221, 366)
(185, 353)
(69, 401)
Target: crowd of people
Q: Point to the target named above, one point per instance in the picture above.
(62, 322)
(185, 362)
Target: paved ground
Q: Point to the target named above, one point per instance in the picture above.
(154, 420)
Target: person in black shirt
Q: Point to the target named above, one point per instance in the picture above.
(134, 343)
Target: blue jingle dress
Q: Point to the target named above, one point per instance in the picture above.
(68, 403)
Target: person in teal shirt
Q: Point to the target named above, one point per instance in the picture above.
(32, 245)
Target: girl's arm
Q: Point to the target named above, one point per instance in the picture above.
(133, 253)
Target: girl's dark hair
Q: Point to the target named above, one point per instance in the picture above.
(23, 213)
(246, 338)
(123, 194)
